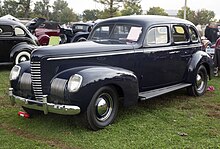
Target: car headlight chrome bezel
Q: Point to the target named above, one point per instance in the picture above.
(15, 71)
(74, 83)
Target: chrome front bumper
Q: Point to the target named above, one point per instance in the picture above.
(43, 105)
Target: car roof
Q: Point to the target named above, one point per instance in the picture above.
(146, 20)
(9, 22)
(83, 23)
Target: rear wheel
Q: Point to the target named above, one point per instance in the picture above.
(81, 39)
(200, 83)
(103, 108)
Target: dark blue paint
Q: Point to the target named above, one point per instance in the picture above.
(129, 67)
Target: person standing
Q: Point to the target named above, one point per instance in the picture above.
(211, 32)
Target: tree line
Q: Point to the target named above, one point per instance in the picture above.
(60, 11)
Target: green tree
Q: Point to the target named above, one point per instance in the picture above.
(17, 8)
(62, 13)
(131, 7)
(41, 9)
(157, 11)
(25, 7)
(112, 7)
(67, 15)
(10, 7)
(1, 10)
(91, 15)
(190, 14)
(200, 17)
(204, 16)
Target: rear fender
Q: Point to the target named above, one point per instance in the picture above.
(44, 39)
(94, 77)
(23, 46)
(199, 58)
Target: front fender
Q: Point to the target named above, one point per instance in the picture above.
(43, 39)
(94, 77)
(25, 68)
(21, 46)
(199, 58)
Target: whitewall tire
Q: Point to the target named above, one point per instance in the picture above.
(22, 56)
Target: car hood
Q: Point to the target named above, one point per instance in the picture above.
(79, 49)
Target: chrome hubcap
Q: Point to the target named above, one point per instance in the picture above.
(22, 59)
(200, 82)
(104, 106)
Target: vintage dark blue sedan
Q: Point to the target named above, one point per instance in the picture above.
(126, 58)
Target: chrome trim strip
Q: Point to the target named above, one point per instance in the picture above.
(167, 48)
(149, 49)
(44, 105)
(88, 56)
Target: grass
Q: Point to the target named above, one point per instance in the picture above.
(174, 120)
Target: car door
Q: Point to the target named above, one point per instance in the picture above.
(6, 42)
(185, 45)
(162, 63)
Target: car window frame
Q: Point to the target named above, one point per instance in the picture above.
(22, 30)
(185, 30)
(145, 44)
(118, 24)
(102, 25)
(7, 35)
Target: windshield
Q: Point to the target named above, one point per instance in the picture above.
(116, 33)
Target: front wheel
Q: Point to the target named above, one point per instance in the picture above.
(21, 57)
(103, 108)
(200, 83)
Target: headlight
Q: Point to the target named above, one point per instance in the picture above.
(15, 72)
(74, 83)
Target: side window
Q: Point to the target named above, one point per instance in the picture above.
(19, 31)
(157, 36)
(179, 34)
(102, 32)
(193, 34)
(6, 30)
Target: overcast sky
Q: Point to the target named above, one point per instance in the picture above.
(80, 5)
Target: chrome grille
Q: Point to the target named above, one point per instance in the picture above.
(36, 79)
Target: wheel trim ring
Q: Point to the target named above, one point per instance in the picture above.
(103, 116)
(21, 54)
(200, 83)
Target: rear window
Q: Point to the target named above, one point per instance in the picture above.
(19, 32)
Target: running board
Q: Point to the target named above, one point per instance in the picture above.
(160, 91)
(6, 63)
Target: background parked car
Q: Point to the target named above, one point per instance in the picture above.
(44, 29)
(16, 42)
(81, 31)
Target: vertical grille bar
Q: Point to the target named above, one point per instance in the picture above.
(36, 80)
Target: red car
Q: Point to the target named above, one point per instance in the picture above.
(43, 29)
